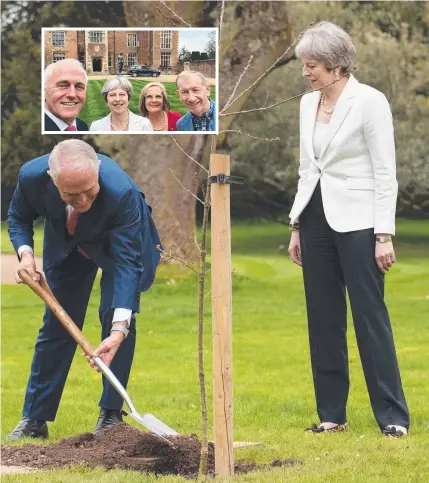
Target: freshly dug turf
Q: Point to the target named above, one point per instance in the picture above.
(124, 447)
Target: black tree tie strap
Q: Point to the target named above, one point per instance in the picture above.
(222, 178)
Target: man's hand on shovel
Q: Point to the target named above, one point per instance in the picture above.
(27, 263)
(107, 349)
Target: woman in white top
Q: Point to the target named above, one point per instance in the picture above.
(345, 205)
(117, 93)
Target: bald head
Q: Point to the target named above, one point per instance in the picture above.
(74, 169)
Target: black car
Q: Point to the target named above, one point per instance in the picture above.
(143, 70)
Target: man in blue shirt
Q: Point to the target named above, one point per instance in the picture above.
(194, 92)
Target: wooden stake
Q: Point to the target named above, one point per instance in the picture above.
(222, 317)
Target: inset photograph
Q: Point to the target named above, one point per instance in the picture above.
(138, 81)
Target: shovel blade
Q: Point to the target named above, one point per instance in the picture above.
(154, 424)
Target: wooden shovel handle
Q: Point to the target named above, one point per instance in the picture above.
(42, 289)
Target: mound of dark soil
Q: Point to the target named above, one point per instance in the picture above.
(124, 447)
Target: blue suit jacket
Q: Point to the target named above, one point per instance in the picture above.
(51, 126)
(117, 232)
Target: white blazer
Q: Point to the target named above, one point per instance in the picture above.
(356, 168)
(137, 123)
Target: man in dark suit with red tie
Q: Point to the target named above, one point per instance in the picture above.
(95, 217)
(65, 94)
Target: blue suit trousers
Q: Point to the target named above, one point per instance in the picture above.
(71, 282)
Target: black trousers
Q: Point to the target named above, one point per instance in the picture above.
(332, 262)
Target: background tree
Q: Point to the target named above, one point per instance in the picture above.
(392, 40)
(184, 55)
(150, 159)
(21, 73)
(211, 46)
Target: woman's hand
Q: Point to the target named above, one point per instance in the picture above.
(295, 248)
(384, 256)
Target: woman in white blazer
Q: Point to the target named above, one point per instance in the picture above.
(342, 220)
(117, 93)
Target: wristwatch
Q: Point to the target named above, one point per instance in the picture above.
(383, 239)
(120, 328)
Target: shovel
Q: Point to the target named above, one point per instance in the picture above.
(42, 289)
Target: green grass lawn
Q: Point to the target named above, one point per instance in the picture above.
(96, 108)
(273, 392)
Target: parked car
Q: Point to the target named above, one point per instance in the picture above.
(143, 70)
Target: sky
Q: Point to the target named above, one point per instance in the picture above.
(193, 40)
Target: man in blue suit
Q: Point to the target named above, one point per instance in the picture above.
(95, 217)
(65, 94)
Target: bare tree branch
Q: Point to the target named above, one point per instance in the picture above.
(266, 99)
(187, 155)
(283, 101)
(196, 243)
(268, 70)
(175, 14)
(220, 21)
(230, 101)
(170, 257)
(285, 61)
(167, 18)
(249, 135)
(185, 188)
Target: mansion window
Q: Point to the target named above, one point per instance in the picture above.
(132, 59)
(132, 40)
(110, 61)
(96, 36)
(58, 38)
(56, 56)
(165, 59)
(166, 39)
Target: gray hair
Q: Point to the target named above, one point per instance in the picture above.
(73, 152)
(117, 83)
(330, 44)
(49, 70)
(187, 73)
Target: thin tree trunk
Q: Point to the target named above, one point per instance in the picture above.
(201, 299)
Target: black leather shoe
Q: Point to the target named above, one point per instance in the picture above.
(29, 428)
(391, 431)
(107, 419)
(339, 428)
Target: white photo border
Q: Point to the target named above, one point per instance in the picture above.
(127, 29)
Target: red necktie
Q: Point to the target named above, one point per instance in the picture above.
(70, 128)
(71, 225)
(72, 222)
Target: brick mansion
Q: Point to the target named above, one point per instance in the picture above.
(98, 50)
